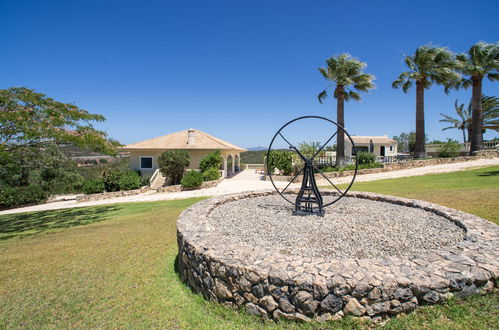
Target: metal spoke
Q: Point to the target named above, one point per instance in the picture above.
(293, 147)
(325, 144)
(325, 177)
(290, 182)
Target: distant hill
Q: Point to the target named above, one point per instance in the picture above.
(257, 148)
(253, 157)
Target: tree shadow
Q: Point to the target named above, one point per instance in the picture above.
(489, 173)
(26, 224)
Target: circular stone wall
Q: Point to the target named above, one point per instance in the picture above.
(371, 255)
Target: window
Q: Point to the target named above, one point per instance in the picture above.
(146, 163)
(360, 149)
(391, 148)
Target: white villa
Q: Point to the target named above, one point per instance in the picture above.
(381, 146)
(144, 155)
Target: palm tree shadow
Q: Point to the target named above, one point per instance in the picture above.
(28, 224)
(489, 173)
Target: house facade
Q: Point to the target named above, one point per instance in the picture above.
(144, 155)
(381, 146)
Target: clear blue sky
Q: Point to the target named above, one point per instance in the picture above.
(235, 69)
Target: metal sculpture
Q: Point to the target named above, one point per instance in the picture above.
(309, 200)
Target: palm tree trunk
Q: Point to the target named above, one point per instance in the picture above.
(420, 147)
(340, 138)
(469, 134)
(476, 116)
(464, 135)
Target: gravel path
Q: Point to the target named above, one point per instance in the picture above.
(249, 181)
(353, 228)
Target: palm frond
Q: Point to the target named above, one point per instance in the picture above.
(322, 96)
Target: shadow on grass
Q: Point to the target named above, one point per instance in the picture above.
(489, 173)
(25, 224)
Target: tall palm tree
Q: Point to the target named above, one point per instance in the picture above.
(461, 123)
(427, 66)
(490, 109)
(481, 60)
(348, 79)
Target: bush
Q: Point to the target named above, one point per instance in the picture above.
(281, 160)
(211, 174)
(93, 186)
(173, 163)
(449, 149)
(111, 177)
(17, 196)
(365, 158)
(211, 160)
(130, 180)
(193, 179)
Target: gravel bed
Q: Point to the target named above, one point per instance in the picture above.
(351, 228)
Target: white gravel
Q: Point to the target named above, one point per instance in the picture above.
(351, 228)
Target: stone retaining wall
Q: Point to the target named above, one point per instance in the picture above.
(388, 167)
(114, 194)
(178, 187)
(275, 286)
(108, 195)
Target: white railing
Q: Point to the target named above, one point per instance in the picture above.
(254, 166)
(153, 177)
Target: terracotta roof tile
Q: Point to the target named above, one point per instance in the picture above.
(179, 140)
(375, 139)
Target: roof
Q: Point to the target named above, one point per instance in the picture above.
(179, 140)
(375, 139)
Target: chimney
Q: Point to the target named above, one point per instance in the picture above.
(191, 140)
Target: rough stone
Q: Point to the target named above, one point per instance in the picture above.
(353, 307)
(221, 290)
(375, 294)
(306, 302)
(331, 303)
(286, 306)
(258, 291)
(320, 287)
(268, 303)
(402, 294)
(253, 309)
(431, 297)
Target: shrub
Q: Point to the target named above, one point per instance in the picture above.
(211, 174)
(449, 149)
(211, 160)
(130, 180)
(111, 177)
(365, 158)
(192, 179)
(103, 161)
(281, 160)
(93, 186)
(173, 163)
(17, 196)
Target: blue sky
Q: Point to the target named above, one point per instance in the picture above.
(235, 69)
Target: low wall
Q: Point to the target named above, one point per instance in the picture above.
(387, 167)
(178, 187)
(114, 194)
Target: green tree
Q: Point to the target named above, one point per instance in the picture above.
(482, 60)
(308, 149)
(211, 160)
(282, 160)
(427, 66)
(348, 79)
(406, 142)
(30, 119)
(172, 163)
(462, 122)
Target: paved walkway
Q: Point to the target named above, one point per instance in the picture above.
(248, 180)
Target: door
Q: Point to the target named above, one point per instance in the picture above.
(382, 151)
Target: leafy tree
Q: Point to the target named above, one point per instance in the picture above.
(172, 163)
(427, 66)
(490, 111)
(282, 160)
(29, 119)
(192, 180)
(308, 149)
(482, 60)
(407, 141)
(346, 74)
(449, 149)
(211, 160)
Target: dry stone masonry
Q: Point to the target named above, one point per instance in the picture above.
(277, 284)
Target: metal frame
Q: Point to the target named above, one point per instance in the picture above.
(304, 205)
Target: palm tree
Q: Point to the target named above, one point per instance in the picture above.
(490, 109)
(462, 123)
(346, 74)
(427, 66)
(481, 60)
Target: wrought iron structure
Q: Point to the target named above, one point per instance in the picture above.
(309, 200)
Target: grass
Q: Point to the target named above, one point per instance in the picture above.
(113, 267)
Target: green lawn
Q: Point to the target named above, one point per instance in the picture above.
(113, 266)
